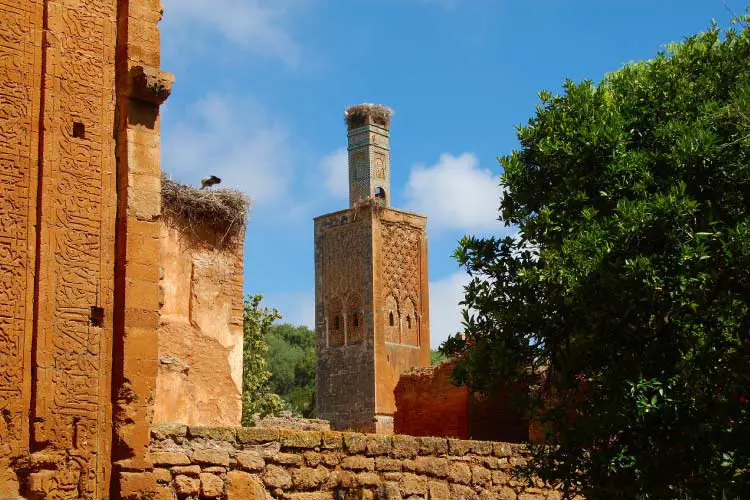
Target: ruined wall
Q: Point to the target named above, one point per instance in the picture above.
(200, 333)
(428, 404)
(344, 319)
(75, 200)
(402, 330)
(258, 463)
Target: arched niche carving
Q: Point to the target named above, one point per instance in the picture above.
(355, 326)
(392, 320)
(410, 327)
(335, 317)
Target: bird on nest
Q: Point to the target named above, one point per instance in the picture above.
(209, 181)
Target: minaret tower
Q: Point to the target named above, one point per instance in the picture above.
(371, 294)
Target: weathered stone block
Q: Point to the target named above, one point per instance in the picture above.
(300, 439)
(227, 434)
(355, 443)
(211, 457)
(432, 446)
(212, 485)
(174, 432)
(459, 448)
(439, 490)
(136, 485)
(379, 445)
(169, 458)
(288, 459)
(185, 485)
(368, 479)
(256, 435)
(411, 484)
(481, 447)
(461, 492)
(480, 476)
(387, 464)
(276, 477)
(308, 478)
(187, 470)
(333, 440)
(404, 447)
(243, 486)
(312, 459)
(459, 472)
(162, 475)
(358, 463)
(436, 467)
(250, 461)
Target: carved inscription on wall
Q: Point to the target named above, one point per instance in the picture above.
(73, 380)
(20, 25)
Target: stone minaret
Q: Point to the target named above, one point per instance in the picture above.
(369, 153)
(371, 295)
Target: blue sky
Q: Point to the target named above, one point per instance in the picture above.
(262, 86)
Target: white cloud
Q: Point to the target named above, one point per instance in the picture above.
(456, 193)
(235, 140)
(335, 170)
(445, 313)
(258, 25)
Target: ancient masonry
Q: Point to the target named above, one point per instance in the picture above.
(80, 90)
(371, 296)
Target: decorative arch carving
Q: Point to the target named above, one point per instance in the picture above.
(392, 320)
(410, 327)
(355, 327)
(335, 317)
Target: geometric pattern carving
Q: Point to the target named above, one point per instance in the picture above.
(401, 262)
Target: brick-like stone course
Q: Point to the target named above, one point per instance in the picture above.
(252, 463)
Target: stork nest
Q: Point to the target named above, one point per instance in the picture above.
(223, 212)
(356, 116)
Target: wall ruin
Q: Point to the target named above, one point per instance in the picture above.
(199, 378)
(260, 463)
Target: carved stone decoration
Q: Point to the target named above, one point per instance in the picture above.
(151, 85)
(401, 262)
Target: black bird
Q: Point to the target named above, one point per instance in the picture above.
(210, 181)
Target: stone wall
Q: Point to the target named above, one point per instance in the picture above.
(261, 463)
(428, 404)
(200, 333)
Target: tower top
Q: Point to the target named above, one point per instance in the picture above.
(369, 153)
(368, 114)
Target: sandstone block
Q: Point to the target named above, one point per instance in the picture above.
(502, 450)
(312, 459)
(432, 446)
(227, 434)
(243, 486)
(355, 442)
(404, 447)
(330, 459)
(211, 457)
(483, 448)
(175, 432)
(505, 493)
(341, 479)
(378, 445)
(439, 491)
(300, 439)
(256, 435)
(185, 485)
(436, 467)
(411, 484)
(250, 461)
(212, 485)
(333, 440)
(368, 479)
(387, 464)
(215, 470)
(392, 476)
(187, 470)
(276, 477)
(480, 476)
(461, 492)
(319, 495)
(500, 477)
(169, 458)
(289, 459)
(308, 478)
(358, 463)
(134, 485)
(459, 448)
(162, 476)
(389, 491)
(459, 472)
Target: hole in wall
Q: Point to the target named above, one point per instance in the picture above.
(97, 316)
(79, 130)
(336, 323)
(380, 193)
(390, 319)
(356, 320)
(408, 322)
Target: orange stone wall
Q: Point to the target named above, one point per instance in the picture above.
(200, 335)
(79, 207)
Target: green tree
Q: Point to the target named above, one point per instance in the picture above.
(257, 394)
(629, 281)
(437, 357)
(292, 360)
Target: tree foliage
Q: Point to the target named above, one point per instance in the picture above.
(292, 361)
(629, 281)
(257, 394)
(437, 357)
